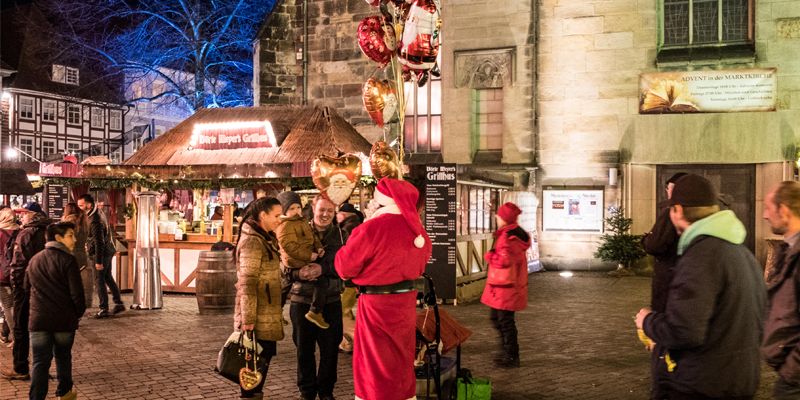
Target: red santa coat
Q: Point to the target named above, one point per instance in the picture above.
(509, 252)
(381, 252)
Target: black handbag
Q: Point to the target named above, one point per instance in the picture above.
(235, 357)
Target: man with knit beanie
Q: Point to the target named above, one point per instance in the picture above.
(300, 247)
(711, 326)
(384, 256)
(510, 294)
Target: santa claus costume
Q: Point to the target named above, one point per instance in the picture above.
(383, 256)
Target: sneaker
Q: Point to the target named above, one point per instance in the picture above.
(317, 319)
(71, 395)
(10, 374)
(118, 309)
(102, 314)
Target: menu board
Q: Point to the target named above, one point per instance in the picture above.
(440, 223)
(57, 198)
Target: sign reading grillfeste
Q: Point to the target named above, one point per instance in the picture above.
(708, 91)
(233, 135)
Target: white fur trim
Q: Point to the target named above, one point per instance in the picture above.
(419, 241)
(390, 209)
(383, 199)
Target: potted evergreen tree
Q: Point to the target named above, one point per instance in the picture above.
(617, 244)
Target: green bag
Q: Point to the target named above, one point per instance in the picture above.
(469, 388)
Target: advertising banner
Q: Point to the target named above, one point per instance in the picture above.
(233, 135)
(708, 91)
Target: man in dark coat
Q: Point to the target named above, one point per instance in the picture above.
(100, 249)
(662, 243)
(781, 346)
(30, 241)
(53, 282)
(306, 335)
(712, 325)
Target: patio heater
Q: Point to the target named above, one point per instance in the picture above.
(147, 293)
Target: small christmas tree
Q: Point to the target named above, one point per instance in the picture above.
(619, 245)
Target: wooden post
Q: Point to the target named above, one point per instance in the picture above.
(227, 223)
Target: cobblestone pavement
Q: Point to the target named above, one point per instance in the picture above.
(577, 342)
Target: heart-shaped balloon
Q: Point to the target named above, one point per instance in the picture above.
(376, 39)
(380, 101)
(420, 39)
(383, 161)
(336, 177)
(249, 379)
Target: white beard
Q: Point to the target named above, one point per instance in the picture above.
(340, 190)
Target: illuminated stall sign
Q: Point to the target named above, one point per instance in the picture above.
(233, 135)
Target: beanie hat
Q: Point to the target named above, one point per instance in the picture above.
(287, 199)
(404, 195)
(33, 207)
(509, 212)
(693, 191)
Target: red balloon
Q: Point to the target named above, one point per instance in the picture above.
(420, 42)
(376, 39)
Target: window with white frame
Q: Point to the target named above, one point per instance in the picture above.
(423, 119)
(48, 148)
(26, 145)
(26, 107)
(74, 148)
(115, 119)
(97, 117)
(73, 114)
(49, 110)
(71, 76)
(704, 23)
(487, 119)
(116, 156)
(58, 73)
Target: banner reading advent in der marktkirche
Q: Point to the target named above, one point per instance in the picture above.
(440, 223)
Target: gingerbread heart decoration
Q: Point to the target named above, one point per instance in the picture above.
(336, 177)
(249, 379)
(383, 161)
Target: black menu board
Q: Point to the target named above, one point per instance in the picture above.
(57, 198)
(440, 223)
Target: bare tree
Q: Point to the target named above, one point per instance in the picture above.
(198, 51)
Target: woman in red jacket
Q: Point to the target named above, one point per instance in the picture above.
(507, 286)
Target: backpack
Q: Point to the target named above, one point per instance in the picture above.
(7, 257)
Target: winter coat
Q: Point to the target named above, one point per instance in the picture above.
(712, 325)
(511, 242)
(662, 243)
(81, 234)
(781, 345)
(332, 239)
(258, 286)
(297, 241)
(6, 235)
(53, 282)
(98, 239)
(30, 240)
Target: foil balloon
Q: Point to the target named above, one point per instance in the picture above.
(336, 177)
(383, 161)
(376, 39)
(420, 39)
(374, 3)
(380, 101)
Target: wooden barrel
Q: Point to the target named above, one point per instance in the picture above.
(215, 283)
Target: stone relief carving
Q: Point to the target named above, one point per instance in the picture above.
(484, 69)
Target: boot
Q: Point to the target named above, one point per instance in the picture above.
(317, 319)
(71, 395)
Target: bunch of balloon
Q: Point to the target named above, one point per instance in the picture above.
(406, 38)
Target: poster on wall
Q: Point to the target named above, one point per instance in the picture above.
(573, 211)
(440, 223)
(708, 91)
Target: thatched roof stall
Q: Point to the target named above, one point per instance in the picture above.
(15, 181)
(259, 142)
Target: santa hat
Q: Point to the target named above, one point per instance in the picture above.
(509, 212)
(403, 194)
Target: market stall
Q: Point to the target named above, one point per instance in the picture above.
(222, 158)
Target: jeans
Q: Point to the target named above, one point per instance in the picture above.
(307, 337)
(21, 339)
(7, 301)
(45, 345)
(785, 391)
(504, 323)
(104, 278)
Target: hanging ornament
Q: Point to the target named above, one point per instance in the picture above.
(420, 38)
(336, 177)
(380, 101)
(376, 39)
